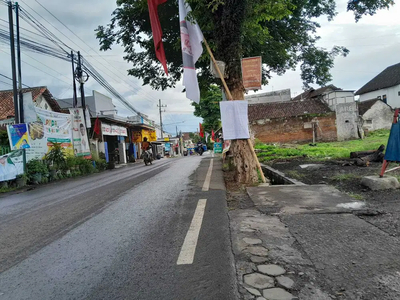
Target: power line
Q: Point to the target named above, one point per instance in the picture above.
(37, 68)
(2, 75)
(129, 83)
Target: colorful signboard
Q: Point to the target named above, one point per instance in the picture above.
(79, 133)
(11, 165)
(18, 136)
(114, 130)
(252, 73)
(50, 127)
(217, 147)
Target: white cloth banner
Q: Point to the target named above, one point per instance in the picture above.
(191, 38)
(235, 120)
(113, 130)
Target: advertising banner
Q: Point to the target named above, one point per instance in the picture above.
(167, 147)
(150, 134)
(18, 136)
(50, 127)
(252, 73)
(114, 130)
(136, 136)
(11, 165)
(234, 119)
(79, 133)
(217, 147)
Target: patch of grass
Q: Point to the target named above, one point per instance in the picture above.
(343, 177)
(335, 150)
(356, 196)
(6, 189)
(295, 174)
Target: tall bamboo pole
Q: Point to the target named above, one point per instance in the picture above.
(228, 93)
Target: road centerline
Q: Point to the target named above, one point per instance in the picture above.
(186, 256)
(206, 185)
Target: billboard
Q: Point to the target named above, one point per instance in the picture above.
(11, 165)
(37, 137)
(79, 133)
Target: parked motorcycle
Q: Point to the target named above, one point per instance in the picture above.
(147, 158)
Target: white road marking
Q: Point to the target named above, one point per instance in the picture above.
(188, 250)
(206, 184)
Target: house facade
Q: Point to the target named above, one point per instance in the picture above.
(41, 98)
(385, 86)
(375, 114)
(268, 97)
(98, 104)
(330, 94)
(293, 122)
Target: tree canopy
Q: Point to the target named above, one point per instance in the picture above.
(283, 32)
(208, 109)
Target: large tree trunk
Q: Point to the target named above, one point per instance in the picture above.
(245, 166)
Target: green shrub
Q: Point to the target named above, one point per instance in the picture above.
(36, 166)
(56, 156)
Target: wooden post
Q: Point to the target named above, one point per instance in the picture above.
(229, 95)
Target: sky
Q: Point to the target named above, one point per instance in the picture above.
(373, 44)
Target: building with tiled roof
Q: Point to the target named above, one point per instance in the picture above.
(384, 86)
(375, 114)
(41, 96)
(286, 109)
(293, 121)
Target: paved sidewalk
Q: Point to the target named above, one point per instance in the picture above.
(308, 242)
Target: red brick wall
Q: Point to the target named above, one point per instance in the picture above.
(291, 130)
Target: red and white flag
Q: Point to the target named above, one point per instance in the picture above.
(191, 39)
(157, 32)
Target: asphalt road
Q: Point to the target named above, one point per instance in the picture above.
(119, 234)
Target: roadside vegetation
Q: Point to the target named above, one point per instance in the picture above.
(56, 165)
(334, 150)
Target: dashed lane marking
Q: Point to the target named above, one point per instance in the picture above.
(206, 185)
(186, 256)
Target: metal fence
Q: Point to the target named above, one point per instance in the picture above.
(4, 150)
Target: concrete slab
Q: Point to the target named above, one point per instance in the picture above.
(353, 256)
(300, 199)
(376, 183)
(285, 282)
(271, 270)
(259, 281)
(277, 294)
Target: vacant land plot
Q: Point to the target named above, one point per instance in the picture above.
(330, 164)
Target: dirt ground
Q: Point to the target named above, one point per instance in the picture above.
(347, 178)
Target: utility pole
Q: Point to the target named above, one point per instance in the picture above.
(14, 72)
(80, 77)
(176, 130)
(160, 107)
(75, 99)
(21, 100)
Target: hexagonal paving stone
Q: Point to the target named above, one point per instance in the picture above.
(258, 280)
(272, 270)
(253, 291)
(277, 294)
(285, 282)
(258, 250)
(258, 259)
(251, 241)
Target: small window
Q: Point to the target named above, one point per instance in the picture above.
(384, 98)
(379, 97)
(368, 121)
(398, 93)
(347, 121)
(45, 106)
